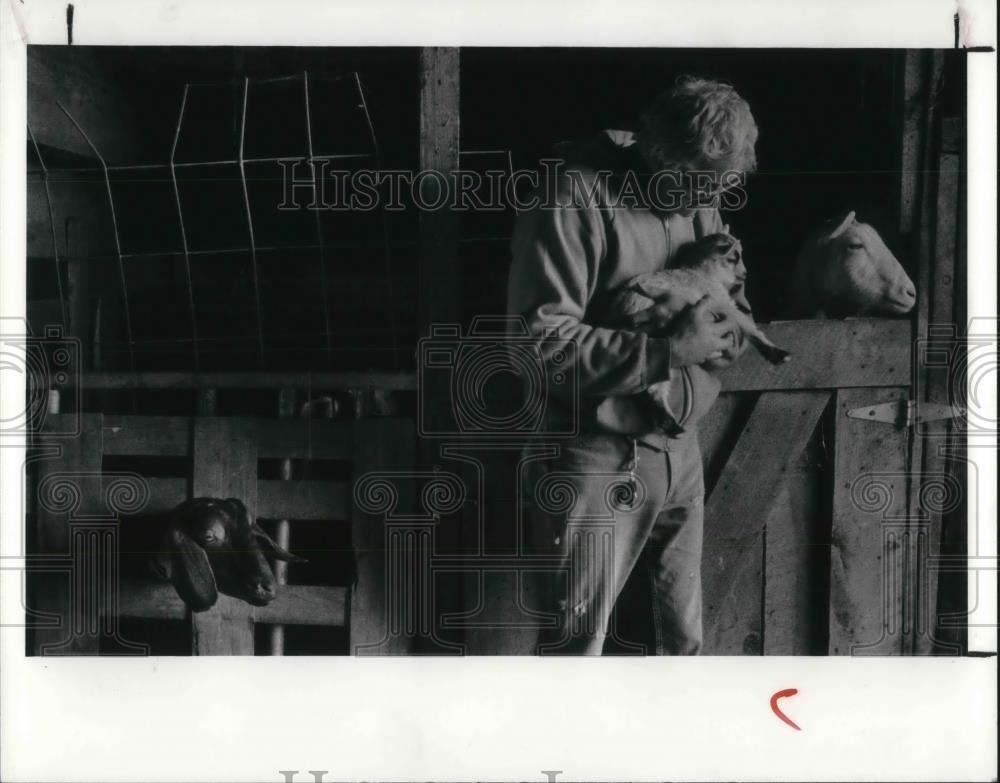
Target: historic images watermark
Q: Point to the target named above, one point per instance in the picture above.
(314, 185)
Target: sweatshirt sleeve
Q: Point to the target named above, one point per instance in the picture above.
(557, 257)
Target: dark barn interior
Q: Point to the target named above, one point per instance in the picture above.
(156, 240)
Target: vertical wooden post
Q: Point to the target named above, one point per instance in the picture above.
(384, 446)
(440, 282)
(935, 386)
(225, 465)
(440, 270)
(73, 476)
(282, 532)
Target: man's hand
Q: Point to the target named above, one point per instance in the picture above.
(701, 335)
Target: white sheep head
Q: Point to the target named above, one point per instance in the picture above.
(845, 269)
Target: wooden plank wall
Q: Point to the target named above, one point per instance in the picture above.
(868, 537)
(225, 465)
(736, 512)
(74, 474)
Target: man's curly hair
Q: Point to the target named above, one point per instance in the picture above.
(698, 124)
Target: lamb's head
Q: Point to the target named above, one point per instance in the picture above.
(845, 269)
(717, 256)
(217, 548)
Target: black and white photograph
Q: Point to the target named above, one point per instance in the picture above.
(446, 352)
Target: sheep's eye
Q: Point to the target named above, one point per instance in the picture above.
(855, 246)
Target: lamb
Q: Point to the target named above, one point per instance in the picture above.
(709, 267)
(212, 547)
(845, 269)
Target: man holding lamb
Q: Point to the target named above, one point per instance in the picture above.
(635, 468)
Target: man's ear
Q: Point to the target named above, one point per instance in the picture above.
(269, 543)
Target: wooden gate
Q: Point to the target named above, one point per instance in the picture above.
(807, 531)
(77, 503)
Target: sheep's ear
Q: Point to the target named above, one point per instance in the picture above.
(279, 552)
(191, 572)
(843, 225)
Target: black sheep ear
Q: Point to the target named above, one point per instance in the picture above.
(279, 552)
(191, 572)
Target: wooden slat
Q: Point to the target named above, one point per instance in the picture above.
(147, 436)
(936, 383)
(715, 430)
(306, 439)
(294, 605)
(381, 446)
(825, 355)
(163, 436)
(322, 500)
(150, 600)
(828, 355)
(440, 278)
(303, 500)
(305, 605)
(164, 493)
(79, 464)
(866, 557)
(735, 513)
(225, 465)
(913, 107)
(795, 552)
(395, 381)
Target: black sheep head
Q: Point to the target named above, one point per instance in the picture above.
(216, 548)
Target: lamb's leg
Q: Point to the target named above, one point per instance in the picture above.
(752, 332)
(659, 395)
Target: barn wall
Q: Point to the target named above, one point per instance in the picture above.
(434, 109)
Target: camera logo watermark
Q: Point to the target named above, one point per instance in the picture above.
(497, 381)
(43, 364)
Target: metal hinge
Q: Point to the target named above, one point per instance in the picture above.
(905, 413)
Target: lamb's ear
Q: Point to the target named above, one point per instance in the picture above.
(191, 573)
(269, 543)
(843, 225)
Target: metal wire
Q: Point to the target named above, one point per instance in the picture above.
(180, 220)
(323, 244)
(246, 201)
(114, 226)
(319, 226)
(384, 224)
(52, 228)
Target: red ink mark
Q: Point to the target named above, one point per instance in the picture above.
(774, 706)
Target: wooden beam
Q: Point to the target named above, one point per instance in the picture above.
(127, 381)
(795, 555)
(825, 355)
(868, 546)
(440, 280)
(936, 385)
(73, 474)
(295, 604)
(828, 355)
(386, 446)
(225, 465)
(163, 436)
(736, 511)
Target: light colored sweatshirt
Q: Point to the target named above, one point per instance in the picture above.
(567, 260)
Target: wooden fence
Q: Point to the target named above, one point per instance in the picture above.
(224, 453)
